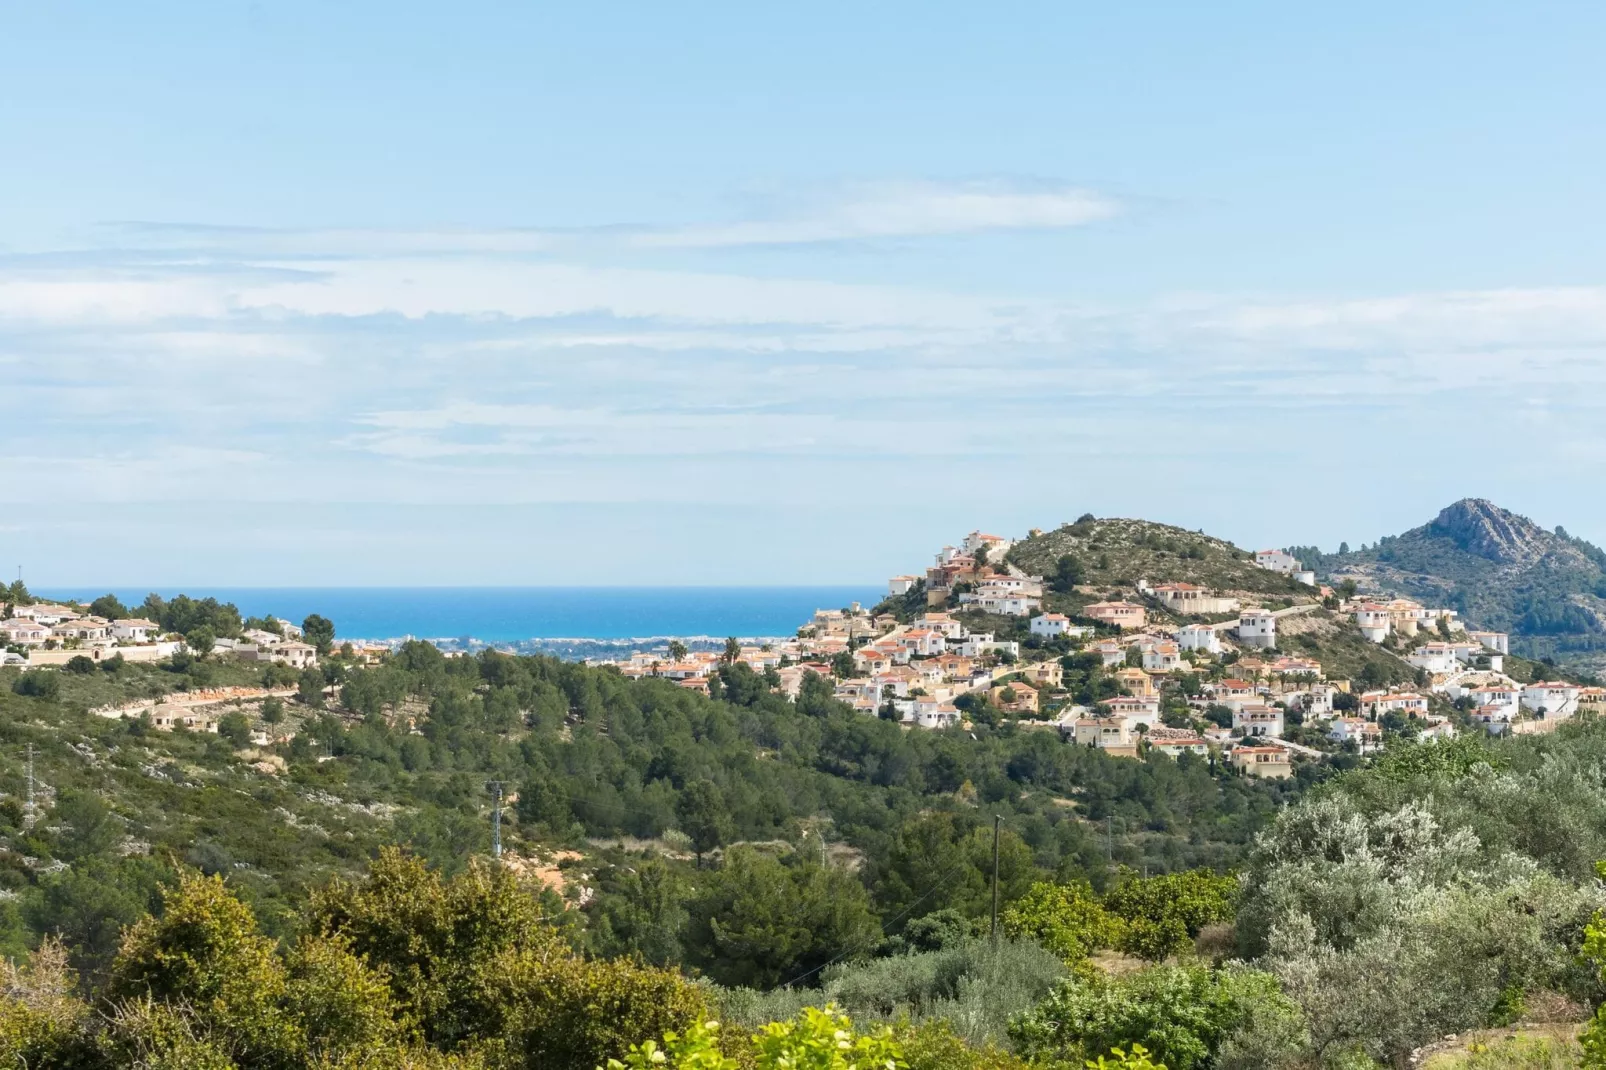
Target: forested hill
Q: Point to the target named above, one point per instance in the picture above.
(403, 752)
(1500, 570)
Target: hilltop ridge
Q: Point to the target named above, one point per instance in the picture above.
(1117, 551)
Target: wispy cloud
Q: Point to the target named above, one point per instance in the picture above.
(431, 367)
(901, 210)
(858, 212)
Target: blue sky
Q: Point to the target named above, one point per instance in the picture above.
(397, 293)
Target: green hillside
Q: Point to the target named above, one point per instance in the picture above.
(613, 769)
(1119, 552)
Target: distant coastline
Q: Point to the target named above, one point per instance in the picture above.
(565, 620)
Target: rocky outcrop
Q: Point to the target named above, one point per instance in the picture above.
(1481, 527)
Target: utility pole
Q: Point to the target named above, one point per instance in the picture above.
(30, 814)
(996, 819)
(496, 818)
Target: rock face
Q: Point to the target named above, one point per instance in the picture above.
(1481, 527)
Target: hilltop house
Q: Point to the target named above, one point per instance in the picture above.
(46, 613)
(901, 585)
(995, 545)
(1277, 561)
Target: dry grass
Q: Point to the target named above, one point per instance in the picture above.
(1549, 1046)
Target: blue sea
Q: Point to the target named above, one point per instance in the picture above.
(513, 614)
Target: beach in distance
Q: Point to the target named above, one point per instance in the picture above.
(513, 614)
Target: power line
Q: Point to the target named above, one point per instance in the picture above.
(496, 818)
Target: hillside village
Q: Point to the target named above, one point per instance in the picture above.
(1154, 663)
(1131, 637)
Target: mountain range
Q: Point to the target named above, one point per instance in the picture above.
(1500, 570)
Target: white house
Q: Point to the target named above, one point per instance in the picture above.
(1257, 628)
(1378, 703)
(134, 629)
(1009, 605)
(1375, 621)
(1496, 720)
(1198, 637)
(1233, 693)
(19, 631)
(1134, 710)
(1162, 657)
(1178, 745)
(1051, 625)
(303, 656)
(995, 545)
(1277, 561)
(924, 642)
(1257, 720)
(932, 713)
(1366, 735)
(1436, 658)
(901, 585)
(1435, 732)
(89, 629)
(1110, 651)
(941, 622)
(1506, 695)
(1108, 734)
(46, 613)
(1556, 701)
(1497, 641)
(1305, 576)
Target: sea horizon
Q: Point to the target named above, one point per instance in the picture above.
(515, 614)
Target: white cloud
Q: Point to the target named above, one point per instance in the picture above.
(857, 212)
(902, 210)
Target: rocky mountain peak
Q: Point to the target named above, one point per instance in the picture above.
(1481, 527)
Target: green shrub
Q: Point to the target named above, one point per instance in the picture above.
(37, 683)
(1182, 1014)
(1067, 919)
